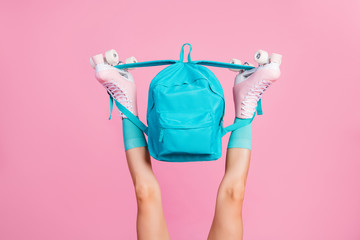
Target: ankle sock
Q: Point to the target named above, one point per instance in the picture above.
(133, 136)
(240, 138)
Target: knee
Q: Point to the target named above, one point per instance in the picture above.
(146, 191)
(235, 191)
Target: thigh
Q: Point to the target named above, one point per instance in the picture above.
(139, 164)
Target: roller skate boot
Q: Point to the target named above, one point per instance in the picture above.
(119, 83)
(250, 85)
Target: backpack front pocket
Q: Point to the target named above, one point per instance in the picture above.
(186, 133)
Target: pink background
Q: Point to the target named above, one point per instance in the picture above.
(63, 172)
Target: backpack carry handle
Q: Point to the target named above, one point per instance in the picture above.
(182, 52)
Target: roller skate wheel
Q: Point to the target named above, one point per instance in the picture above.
(112, 57)
(235, 61)
(275, 58)
(92, 63)
(130, 60)
(261, 57)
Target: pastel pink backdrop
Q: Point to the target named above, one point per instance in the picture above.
(63, 172)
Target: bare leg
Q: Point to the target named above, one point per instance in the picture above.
(120, 85)
(248, 89)
(150, 217)
(227, 223)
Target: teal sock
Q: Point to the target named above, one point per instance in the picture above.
(133, 136)
(240, 138)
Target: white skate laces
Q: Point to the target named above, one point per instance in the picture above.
(252, 97)
(250, 85)
(120, 95)
(119, 83)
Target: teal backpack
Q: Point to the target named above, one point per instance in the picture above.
(186, 108)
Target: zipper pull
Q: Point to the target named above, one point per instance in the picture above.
(161, 135)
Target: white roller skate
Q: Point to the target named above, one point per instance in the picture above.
(118, 82)
(249, 85)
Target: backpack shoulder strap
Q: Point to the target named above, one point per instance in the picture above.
(134, 119)
(244, 122)
(121, 107)
(222, 64)
(258, 111)
(146, 64)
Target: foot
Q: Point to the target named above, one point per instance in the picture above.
(119, 83)
(250, 85)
